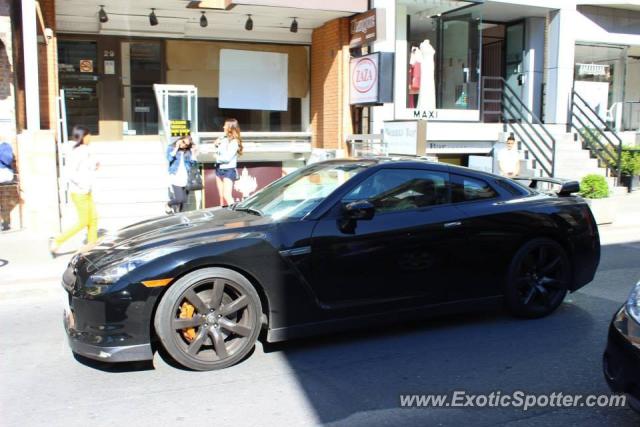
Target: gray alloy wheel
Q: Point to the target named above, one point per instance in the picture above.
(209, 319)
(538, 278)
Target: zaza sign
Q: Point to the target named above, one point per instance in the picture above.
(371, 79)
(364, 79)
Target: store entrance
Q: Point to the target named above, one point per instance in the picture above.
(502, 56)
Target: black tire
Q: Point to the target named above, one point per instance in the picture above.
(538, 279)
(223, 327)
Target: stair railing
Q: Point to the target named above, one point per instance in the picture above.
(528, 128)
(606, 147)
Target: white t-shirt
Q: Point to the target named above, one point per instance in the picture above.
(508, 161)
(81, 169)
(181, 177)
(227, 153)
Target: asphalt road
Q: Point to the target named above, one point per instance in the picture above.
(346, 379)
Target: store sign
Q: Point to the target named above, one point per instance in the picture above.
(459, 147)
(371, 79)
(180, 128)
(86, 66)
(406, 137)
(363, 29)
(592, 69)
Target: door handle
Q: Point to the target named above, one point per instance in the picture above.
(452, 224)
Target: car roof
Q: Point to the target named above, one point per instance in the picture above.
(414, 162)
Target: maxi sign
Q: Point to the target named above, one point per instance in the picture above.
(371, 79)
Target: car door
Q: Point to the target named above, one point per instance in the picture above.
(408, 250)
(493, 228)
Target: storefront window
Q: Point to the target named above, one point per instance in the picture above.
(211, 118)
(443, 56)
(79, 80)
(143, 69)
(228, 74)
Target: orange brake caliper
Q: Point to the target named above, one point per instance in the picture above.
(186, 312)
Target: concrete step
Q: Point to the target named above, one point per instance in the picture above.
(129, 184)
(128, 147)
(115, 159)
(132, 171)
(572, 155)
(578, 163)
(133, 196)
(618, 191)
(578, 174)
(128, 210)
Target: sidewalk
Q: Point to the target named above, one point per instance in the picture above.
(626, 226)
(25, 263)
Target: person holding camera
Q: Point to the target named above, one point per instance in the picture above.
(181, 157)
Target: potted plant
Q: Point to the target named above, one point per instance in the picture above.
(630, 168)
(595, 190)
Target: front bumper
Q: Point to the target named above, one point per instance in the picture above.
(123, 353)
(109, 323)
(621, 361)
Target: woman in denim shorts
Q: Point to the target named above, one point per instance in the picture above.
(228, 148)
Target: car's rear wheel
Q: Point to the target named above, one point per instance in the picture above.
(209, 319)
(538, 278)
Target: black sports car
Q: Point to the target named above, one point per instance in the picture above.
(335, 245)
(621, 361)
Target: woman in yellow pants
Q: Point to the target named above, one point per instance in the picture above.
(82, 169)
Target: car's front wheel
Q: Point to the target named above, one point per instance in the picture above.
(538, 278)
(209, 319)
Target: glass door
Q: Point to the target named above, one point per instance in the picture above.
(514, 73)
(178, 110)
(458, 61)
(141, 69)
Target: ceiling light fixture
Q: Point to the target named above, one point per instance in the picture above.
(102, 15)
(203, 20)
(153, 19)
(294, 26)
(249, 24)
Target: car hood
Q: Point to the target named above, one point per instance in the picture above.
(188, 227)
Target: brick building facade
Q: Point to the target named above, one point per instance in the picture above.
(330, 113)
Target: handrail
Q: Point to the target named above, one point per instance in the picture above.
(612, 160)
(595, 113)
(526, 127)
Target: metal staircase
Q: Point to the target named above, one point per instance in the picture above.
(597, 136)
(499, 99)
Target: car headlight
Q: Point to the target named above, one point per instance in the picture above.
(633, 303)
(114, 272)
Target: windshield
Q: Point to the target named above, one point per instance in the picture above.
(296, 194)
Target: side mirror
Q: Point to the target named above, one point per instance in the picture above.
(360, 209)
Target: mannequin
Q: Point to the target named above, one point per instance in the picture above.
(415, 74)
(427, 98)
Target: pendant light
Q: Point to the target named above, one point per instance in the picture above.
(249, 24)
(153, 19)
(102, 15)
(203, 20)
(294, 26)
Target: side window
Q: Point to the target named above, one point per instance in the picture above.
(392, 190)
(466, 189)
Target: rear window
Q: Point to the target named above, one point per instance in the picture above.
(467, 189)
(514, 187)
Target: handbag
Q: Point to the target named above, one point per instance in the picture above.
(194, 181)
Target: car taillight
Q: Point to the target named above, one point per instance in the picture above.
(587, 216)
